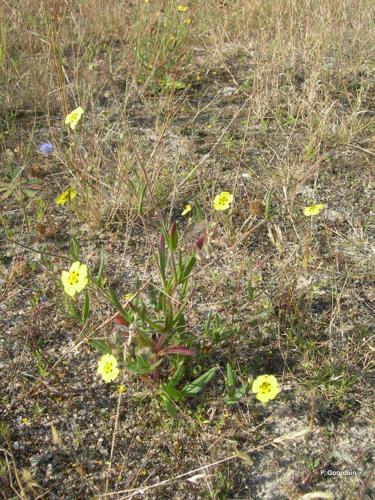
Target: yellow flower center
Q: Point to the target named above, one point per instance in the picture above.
(108, 367)
(265, 387)
(73, 277)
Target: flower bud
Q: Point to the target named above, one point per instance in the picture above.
(200, 242)
(119, 320)
(173, 236)
(173, 228)
(162, 243)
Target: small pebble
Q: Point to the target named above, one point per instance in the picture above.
(39, 459)
(34, 460)
(49, 471)
(228, 91)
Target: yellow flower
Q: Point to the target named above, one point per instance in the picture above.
(75, 279)
(107, 368)
(187, 20)
(182, 8)
(313, 209)
(73, 118)
(66, 196)
(186, 209)
(222, 201)
(265, 387)
(128, 296)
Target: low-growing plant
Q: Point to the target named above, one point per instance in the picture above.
(214, 329)
(160, 50)
(152, 340)
(234, 393)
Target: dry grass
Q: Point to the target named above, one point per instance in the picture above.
(175, 111)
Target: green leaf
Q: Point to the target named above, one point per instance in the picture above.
(178, 375)
(72, 310)
(250, 290)
(154, 326)
(184, 274)
(162, 258)
(172, 392)
(207, 323)
(179, 321)
(141, 199)
(180, 263)
(184, 289)
(145, 339)
(29, 193)
(168, 320)
(168, 405)
(218, 321)
(115, 301)
(244, 457)
(198, 384)
(145, 319)
(161, 302)
(152, 294)
(85, 308)
(141, 366)
(173, 237)
(230, 379)
(74, 250)
(198, 213)
(101, 346)
(237, 396)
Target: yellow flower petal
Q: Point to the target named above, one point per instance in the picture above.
(107, 368)
(265, 387)
(65, 277)
(313, 209)
(81, 285)
(73, 118)
(75, 280)
(66, 196)
(187, 209)
(83, 271)
(263, 398)
(75, 267)
(69, 290)
(222, 201)
(258, 382)
(62, 198)
(182, 8)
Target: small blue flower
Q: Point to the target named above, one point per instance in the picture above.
(45, 148)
